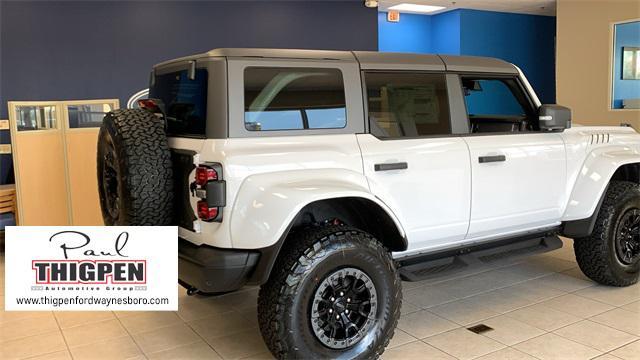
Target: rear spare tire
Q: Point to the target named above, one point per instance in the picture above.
(135, 180)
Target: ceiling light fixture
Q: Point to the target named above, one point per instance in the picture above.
(371, 3)
(416, 8)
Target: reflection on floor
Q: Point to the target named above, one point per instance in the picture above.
(540, 307)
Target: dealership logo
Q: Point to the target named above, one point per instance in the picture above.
(117, 271)
(90, 272)
(91, 268)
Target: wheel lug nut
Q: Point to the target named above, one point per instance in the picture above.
(338, 317)
(348, 299)
(341, 293)
(333, 299)
(346, 311)
(330, 311)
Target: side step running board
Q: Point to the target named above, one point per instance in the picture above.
(423, 267)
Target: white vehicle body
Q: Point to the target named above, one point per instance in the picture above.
(273, 178)
(327, 177)
(442, 196)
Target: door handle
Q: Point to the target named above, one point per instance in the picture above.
(492, 158)
(391, 166)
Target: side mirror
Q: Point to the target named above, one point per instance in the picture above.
(554, 117)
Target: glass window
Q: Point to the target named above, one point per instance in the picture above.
(36, 117)
(490, 97)
(293, 99)
(497, 105)
(626, 66)
(87, 115)
(185, 101)
(407, 104)
(630, 63)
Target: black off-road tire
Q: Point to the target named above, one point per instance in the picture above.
(135, 178)
(596, 255)
(285, 301)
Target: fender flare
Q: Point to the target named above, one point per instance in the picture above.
(268, 203)
(590, 187)
(286, 198)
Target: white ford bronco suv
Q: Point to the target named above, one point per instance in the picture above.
(327, 176)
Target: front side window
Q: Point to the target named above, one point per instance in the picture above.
(497, 105)
(407, 104)
(278, 98)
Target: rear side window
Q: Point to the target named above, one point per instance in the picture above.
(185, 101)
(407, 104)
(278, 98)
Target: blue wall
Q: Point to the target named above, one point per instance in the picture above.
(60, 50)
(626, 35)
(446, 33)
(525, 40)
(411, 34)
(528, 41)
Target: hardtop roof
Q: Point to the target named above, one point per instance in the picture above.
(367, 59)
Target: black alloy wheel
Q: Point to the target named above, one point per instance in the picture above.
(344, 308)
(628, 237)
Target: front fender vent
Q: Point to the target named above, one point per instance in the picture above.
(601, 138)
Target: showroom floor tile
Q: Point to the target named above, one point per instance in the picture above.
(597, 336)
(551, 346)
(539, 308)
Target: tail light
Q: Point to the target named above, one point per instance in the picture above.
(153, 105)
(205, 174)
(205, 212)
(211, 189)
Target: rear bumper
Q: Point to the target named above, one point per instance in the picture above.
(212, 270)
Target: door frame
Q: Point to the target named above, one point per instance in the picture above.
(458, 124)
(458, 105)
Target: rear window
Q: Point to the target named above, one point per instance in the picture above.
(185, 101)
(293, 99)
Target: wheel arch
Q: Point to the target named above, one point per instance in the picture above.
(360, 212)
(606, 256)
(628, 171)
